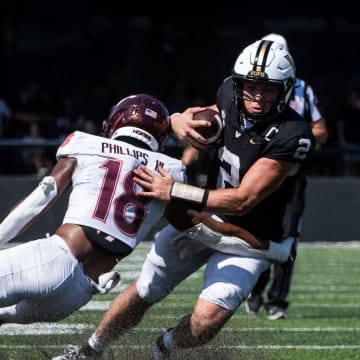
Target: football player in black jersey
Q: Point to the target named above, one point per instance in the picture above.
(251, 181)
(304, 102)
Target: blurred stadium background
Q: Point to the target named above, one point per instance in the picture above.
(95, 53)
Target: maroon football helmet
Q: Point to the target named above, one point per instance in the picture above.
(139, 116)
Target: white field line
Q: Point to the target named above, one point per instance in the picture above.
(62, 329)
(43, 329)
(249, 347)
(103, 305)
(277, 347)
(322, 291)
(342, 244)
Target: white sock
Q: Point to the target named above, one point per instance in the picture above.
(95, 343)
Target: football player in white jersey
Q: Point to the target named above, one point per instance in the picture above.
(264, 144)
(48, 279)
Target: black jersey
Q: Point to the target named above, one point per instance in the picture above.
(286, 137)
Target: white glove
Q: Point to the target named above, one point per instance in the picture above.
(107, 282)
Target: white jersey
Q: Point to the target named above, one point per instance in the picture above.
(304, 101)
(103, 195)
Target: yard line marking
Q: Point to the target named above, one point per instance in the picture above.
(264, 347)
(329, 287)
(277, 347)
(43, 329)
(103, 305)
(320, 244)
(96, 305)
(308, 329)
(66, 329)
(338, 306)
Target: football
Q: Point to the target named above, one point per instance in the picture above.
(212, 133)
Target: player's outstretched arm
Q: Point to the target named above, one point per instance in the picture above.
(232, 239)
(50, 188)
(227, 229)
(211, 231)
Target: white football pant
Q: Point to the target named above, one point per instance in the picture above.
(228, 279)
(41, 281)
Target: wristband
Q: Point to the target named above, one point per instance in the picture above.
(189, 195)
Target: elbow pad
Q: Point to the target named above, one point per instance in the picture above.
(31, 206)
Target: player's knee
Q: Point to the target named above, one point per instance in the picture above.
(226, 296)
(151, 292)
(154, 282)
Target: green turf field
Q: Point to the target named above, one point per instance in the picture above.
(323, 323)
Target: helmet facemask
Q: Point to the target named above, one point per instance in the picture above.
(278, 106)
(264, 61)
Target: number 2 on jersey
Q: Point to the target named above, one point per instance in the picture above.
(303, 149)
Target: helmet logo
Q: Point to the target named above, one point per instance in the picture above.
(141, 133)
(134, 115)
(151, 113)
(258, 74)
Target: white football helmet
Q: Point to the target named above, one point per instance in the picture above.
(265, 61)
(277, 38)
